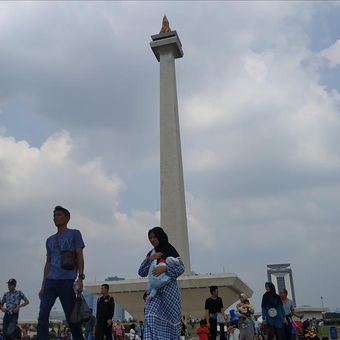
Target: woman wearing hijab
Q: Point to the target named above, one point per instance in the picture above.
(162, 312)
(273, 313)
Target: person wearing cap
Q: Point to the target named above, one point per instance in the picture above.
(64, 264)
(10, 305)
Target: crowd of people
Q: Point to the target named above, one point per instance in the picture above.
(117, 330)
(63, 277)
(276, 319)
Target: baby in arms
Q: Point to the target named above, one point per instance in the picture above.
(157, 282)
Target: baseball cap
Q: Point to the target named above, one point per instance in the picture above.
(12, 281)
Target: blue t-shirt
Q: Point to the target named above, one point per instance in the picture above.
(12, 300)
(71, 240)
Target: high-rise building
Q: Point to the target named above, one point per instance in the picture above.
(282, 278)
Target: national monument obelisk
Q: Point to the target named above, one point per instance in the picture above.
(167, 47)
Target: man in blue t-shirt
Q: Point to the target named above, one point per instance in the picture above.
(64, 261)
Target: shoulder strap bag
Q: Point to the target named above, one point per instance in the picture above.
(68, 258)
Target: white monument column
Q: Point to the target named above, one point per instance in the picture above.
(167, 47)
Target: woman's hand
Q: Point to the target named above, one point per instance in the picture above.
(159, 270)
(155, 256)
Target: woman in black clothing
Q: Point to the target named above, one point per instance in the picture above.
(273, 313)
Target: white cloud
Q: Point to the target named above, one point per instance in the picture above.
(57, 148)
(260, 136)
(255, 67)
(200, 232)
(33, 181)
(332, 54)
(271, 108)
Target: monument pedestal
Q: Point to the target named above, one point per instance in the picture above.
(194, 291)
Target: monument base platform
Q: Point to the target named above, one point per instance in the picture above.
(194, 291)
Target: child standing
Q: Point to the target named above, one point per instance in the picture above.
(203, 331)
(119, 331)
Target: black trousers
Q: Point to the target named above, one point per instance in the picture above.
(278, 333)
(288, 331)
(222, 334)
(103, 330)
(212, 329)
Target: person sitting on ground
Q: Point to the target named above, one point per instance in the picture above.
(203, 330)
(308, 332)
(157, 282)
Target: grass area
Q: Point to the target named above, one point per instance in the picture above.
(324, 331)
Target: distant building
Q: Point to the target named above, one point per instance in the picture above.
(282, 278)
(114, 278)
(310, 312)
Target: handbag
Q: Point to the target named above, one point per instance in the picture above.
(272, 312)
(68, 260)
(81, 311)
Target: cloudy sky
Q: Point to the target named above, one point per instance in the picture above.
(259, 102)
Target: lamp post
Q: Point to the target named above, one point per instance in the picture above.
(321, 298)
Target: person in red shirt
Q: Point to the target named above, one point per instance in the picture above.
(203, 331)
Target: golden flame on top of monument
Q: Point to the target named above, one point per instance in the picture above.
(165, 25)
